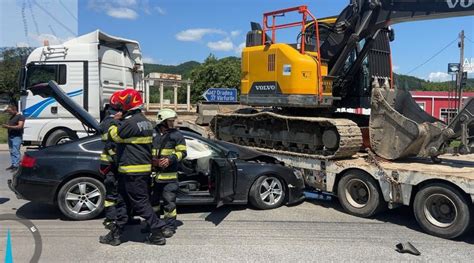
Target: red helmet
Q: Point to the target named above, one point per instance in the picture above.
(129, 99)
(114, 100)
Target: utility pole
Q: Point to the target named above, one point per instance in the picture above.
(461, 70)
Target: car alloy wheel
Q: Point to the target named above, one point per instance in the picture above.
(271, 191)
(83, 198)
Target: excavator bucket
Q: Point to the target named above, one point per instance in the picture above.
(400, 128)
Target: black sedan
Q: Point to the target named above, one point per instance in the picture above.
(214, 173)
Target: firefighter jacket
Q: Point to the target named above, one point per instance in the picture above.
(134, 141)
(108, 153)
(170, 144)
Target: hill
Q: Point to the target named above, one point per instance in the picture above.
(183, 69)
(414, 83)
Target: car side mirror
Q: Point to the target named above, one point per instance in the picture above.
(232, 155)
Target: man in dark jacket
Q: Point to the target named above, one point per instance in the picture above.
(134, 143)
(108, 166)
(169, 149)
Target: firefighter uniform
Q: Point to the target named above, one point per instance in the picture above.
(134, 145)
(108, 169)
(167, 143)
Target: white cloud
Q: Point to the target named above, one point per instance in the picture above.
(395, 68)
(160, 10)
(221, 45)
(125, 2)
(439, 77)
(52, 39)
(238, 49)
(196, 34)
(122, 12)
(148, 60)
(235, 33)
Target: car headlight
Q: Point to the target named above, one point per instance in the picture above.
(298, 174)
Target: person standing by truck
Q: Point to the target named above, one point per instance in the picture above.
(108, 167)
(15, 135)
(134, 145)
(169, 149)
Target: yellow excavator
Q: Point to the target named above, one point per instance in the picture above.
(295, 89)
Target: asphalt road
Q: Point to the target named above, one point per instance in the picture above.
(311, 231)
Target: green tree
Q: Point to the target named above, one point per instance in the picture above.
(11, 60)
(215, 73)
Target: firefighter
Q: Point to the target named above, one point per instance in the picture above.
(108, 166)
(169, 149)
(134, 144)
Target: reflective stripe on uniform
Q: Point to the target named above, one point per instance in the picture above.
(105, 158)
(180, 147)
(179, 155)
(154, 151)
(113, 132)
(137, 168)
(111, 152)
(170, 214)
(167, 152)
(109, 203)
(104, 137)
(167, 176)
(156, 209)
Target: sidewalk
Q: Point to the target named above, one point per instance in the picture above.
(3, 147)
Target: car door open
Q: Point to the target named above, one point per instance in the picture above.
(223, 171)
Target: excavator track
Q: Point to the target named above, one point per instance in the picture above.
(299, 136)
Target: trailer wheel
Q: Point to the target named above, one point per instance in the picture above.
(441, 210)
(359, 194)
(59, 137)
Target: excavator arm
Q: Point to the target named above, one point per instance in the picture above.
(363, 21)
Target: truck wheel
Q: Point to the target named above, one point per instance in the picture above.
(267, 192)
(441, 210)
(81, 198)
(59, 137)
(359, 194)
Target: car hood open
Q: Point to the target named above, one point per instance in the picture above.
(51, 89)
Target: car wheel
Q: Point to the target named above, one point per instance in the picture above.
(59, 137)
(81, 198)
(441, 210)
(359, 194)
(267, 192)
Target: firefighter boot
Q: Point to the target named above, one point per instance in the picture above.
(113, 237)
(168, 232)
(156, 237)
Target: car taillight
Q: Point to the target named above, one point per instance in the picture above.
(28, 161)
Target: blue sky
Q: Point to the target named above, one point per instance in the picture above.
(175, 31)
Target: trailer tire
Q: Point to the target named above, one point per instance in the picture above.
(359, 194)
(59, 137)
(441, 210)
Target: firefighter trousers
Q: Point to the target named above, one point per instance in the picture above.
(137, 189)
(166, 192)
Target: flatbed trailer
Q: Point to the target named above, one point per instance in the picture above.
(441, 195)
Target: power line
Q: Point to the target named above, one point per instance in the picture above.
(468, 39)
(33, 18)
(432, 57)
(53, 17)
(67, 10)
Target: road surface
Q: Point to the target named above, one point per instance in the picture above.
(312, 231)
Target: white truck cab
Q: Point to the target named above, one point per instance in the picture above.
(89, 69)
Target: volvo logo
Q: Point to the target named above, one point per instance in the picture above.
(265, 87)
(462, 3)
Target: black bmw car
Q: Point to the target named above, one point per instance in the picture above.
(214, 172)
